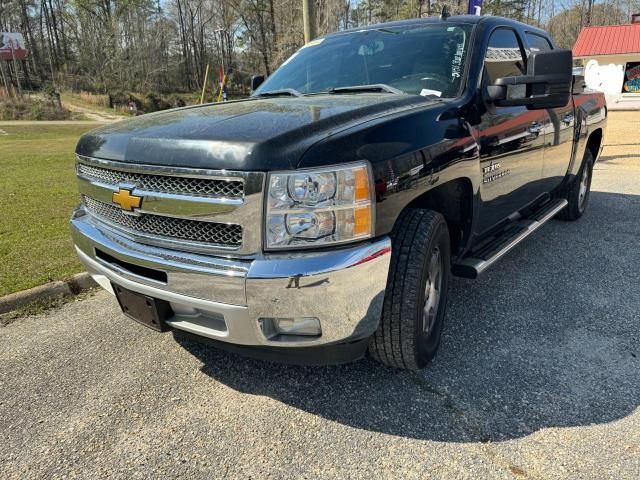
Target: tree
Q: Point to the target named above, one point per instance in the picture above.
(154, 45)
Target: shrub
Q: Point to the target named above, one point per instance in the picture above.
(151, 102)
(36, 111)
(145, 102)
(31, 109)
(94, 99)
(139, 101)
(175, 101)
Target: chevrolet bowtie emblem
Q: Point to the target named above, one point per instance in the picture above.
(126, 199)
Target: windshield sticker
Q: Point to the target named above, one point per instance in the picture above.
(427, 91)
(456, 65)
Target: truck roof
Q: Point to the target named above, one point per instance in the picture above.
(471, 19)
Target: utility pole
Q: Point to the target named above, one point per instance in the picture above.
(309, 20)
(204, 84)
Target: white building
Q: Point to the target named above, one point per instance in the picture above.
(611, 59)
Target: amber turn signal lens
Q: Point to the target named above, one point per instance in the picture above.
(362, 185)
(362, 224)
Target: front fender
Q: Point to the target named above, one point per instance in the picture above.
(410, 153)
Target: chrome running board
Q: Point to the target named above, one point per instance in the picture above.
(481, 259)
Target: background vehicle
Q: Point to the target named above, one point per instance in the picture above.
(325, 215)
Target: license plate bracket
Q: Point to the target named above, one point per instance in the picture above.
(148, 311)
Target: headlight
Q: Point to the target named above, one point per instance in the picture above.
(317, 207)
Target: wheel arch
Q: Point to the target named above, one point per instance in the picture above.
(454, 200)
(594, 143)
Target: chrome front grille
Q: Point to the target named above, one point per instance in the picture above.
(187, 209)
(172, 228)
(164, 183)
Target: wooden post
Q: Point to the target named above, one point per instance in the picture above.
(309, 20)
(4, 78)
(15, 69)
(204, 85)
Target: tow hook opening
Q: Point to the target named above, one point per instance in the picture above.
(290, 329)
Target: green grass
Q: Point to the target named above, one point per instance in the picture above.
(37, 195)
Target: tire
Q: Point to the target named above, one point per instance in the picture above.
(407, 337)
(577, 193)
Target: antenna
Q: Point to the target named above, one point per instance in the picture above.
(445, 13)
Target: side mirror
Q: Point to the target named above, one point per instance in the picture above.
(547, 84)
(256, 81)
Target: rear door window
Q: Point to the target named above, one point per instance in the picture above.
(538, 43)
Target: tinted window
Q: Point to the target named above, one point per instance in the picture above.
(504, 56)
(631, 80)
(538, 43)
(417, 60)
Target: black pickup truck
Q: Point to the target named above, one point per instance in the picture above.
(323, 216)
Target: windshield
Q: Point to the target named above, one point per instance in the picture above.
(420, 60)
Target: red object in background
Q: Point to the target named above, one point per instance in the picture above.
(221, 73)
(609, 40)
(12, 46)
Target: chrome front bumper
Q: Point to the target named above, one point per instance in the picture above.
(229, 300)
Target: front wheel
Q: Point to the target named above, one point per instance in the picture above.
(416, 295)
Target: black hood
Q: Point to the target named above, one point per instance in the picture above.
(253, 134)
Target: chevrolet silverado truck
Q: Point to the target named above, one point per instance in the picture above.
(323, 216)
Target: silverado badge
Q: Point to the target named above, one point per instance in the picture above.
(126, 199)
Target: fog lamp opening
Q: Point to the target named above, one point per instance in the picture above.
(294, 326)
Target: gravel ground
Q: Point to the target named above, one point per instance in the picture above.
(538, 377)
